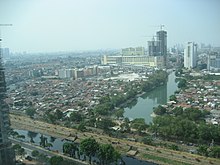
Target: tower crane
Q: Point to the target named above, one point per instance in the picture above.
(160, 26)
(153, 37)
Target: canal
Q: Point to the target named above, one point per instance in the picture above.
(57, 145)
(143, 106)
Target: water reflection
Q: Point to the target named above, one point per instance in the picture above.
(146, 103)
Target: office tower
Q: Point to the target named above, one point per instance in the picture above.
(7, 156)
(153, 48)
(158, 47)
(162, 45)
(190, 55)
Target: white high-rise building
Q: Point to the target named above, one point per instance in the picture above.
(190, 55)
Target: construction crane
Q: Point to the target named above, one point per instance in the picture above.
(153, 37)
(160, 26)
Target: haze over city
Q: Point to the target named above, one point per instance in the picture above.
(101, 82)
(66, 25)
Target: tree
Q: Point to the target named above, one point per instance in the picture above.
(105, 99)
(125, 125)
(43, 141)
(16, 146)
(139, 124)
(50, 118)
(89, 146)
(107, 154)
(182, 83)
(35, 153)
(69, 148)
(21, 136)
(49, 145)
(31, 135)
(147, 140)
(58, 114)
(202, 150)
(30, 112)
(173, 98)
(160, 110)
(76, 117)
(105, 124)
(56, 160)
(215, 152)
(14, 133)
(104, 108)
(119, 113)
(193, 114)
(82, 127)
(178, 72)
(177, 111)
(19, 150)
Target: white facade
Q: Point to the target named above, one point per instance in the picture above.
(66, 73)
(138, 60)
(190, 55)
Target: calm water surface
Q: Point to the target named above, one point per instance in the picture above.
(143, 106)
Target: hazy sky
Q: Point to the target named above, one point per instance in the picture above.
(59, 25)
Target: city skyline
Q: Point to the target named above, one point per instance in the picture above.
(66, 25)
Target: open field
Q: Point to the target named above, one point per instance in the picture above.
(145, 152)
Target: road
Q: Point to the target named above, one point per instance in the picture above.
(123, 145)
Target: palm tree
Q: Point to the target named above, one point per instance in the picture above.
(107, 154)
(69, 148)
(89, 146)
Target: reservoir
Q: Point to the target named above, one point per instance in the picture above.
(143, 106)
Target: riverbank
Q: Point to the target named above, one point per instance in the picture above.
(158, 155)
(143, 107)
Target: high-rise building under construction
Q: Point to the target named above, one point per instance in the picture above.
(158, 47)
(7, 156)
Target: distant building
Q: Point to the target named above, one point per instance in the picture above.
(138, 60)
(5, 52)
(190, 55)
(156, 57)
(62, 73)
(213, 61)
(79, 73)
(90, 71)
(66, 73)
(133, 51)
(158, 47)
(153, 48)
(162, 39)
